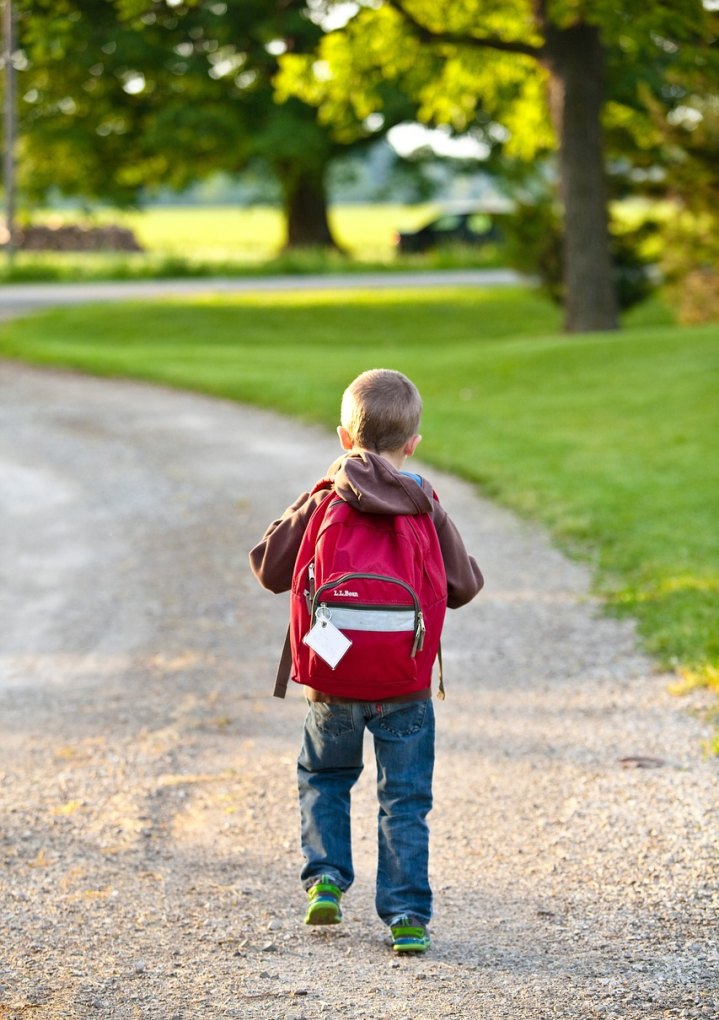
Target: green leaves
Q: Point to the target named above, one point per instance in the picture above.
(448, 82)
(127, 95)
(357, 73)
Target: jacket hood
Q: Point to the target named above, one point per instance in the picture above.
(371, 484)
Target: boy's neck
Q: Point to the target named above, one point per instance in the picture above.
(395, 457)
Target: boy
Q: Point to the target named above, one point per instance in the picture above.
(380, 418)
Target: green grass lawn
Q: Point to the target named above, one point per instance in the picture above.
(608, 439)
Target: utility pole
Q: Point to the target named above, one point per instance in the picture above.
(9, 126)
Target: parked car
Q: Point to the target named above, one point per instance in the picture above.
(469, 227)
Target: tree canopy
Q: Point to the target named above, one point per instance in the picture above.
(125, 95)
(595, 80)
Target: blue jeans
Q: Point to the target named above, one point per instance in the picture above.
(329, 765)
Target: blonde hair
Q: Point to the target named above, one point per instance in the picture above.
(381, 410)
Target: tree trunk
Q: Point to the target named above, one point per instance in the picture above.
(575, 60)
(305, 207)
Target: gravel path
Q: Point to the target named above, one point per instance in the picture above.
(148, 857)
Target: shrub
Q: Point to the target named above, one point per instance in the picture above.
(535, 246)
(697, 299)
(691, 266)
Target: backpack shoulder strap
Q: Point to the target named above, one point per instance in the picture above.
(284, 667)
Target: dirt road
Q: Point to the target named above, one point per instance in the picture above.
(148, 844)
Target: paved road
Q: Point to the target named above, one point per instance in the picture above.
(148, 829)
(19, 298)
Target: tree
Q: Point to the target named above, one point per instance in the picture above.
(569, 64)
(132, 94)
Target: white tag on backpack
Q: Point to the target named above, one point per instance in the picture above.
(328, 642)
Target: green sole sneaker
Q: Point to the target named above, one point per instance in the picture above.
(409, 936)
(324, 903)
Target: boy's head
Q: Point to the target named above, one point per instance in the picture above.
(380, 412)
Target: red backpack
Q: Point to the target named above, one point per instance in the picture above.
(367, 604)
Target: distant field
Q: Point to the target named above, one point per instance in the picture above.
(207, 241)
(232, 240)
(256, 233)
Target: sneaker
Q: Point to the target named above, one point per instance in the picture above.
(409, 935)
(324, 902)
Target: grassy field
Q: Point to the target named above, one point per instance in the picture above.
(256, 233)
(609, 440)
(228, 240)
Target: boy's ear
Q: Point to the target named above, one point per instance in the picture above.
(411, 445)
(345, 438)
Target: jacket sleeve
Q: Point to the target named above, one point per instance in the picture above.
(464, 578)
(272, 560)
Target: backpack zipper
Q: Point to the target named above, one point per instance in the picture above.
(419, 629)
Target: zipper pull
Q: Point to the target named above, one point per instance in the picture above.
(309, 593)
(419, 633)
